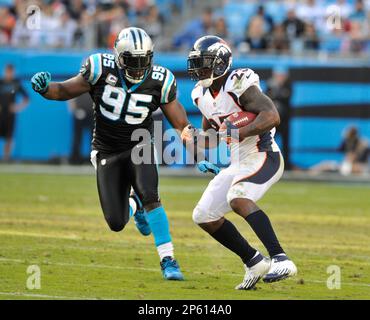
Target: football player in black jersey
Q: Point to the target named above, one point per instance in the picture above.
(126, 89)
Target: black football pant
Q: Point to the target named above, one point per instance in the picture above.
(116, 173)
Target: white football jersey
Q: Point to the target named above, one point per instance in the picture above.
(216, 108)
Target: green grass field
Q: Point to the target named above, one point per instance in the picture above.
(55, 222)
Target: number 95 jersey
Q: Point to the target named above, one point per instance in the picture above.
(121, 107)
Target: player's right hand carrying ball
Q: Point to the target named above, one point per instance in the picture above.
(40, 82)
(205, 166)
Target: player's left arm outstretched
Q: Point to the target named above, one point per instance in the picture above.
(62, 91)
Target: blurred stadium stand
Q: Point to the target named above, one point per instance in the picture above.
(329, 26)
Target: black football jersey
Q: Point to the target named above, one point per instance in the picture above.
(121, 107)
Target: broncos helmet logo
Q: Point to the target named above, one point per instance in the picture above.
(219, 47)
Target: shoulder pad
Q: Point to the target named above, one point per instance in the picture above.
(196, 93)
(240, 80)
(169, 86)
(92, 68)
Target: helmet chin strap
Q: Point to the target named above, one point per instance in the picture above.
(206, 83)
(134, 81)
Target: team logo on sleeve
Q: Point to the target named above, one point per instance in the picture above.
(220, 47)
(238, 82)
(239, 76)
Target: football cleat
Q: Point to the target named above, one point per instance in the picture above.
(260, 266)
(281, 268)
(171, 269)
(140, 219)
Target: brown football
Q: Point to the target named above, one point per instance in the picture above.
(239, 119)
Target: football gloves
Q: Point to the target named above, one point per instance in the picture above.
(40, 82)
(205, 166)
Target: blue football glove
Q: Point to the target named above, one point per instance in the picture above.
(205, 166)
(40, 82)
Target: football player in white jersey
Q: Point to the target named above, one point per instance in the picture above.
(256, 161)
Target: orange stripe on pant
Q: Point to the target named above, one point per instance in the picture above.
(254, 173)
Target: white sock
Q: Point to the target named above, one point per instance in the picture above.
(165, 250)
(133, 206)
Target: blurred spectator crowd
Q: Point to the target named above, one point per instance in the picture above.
(286, 26)
(281, 26)
(74, 23)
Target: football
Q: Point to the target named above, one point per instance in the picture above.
(239, 119)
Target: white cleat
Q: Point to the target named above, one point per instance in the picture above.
(281, 268)
(255, 272)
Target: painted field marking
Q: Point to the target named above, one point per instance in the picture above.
(46, 296)
(102, 266)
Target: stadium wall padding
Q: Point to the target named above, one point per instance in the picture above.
(327, 98)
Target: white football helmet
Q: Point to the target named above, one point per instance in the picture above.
(133, 52)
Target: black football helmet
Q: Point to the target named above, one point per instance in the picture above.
(209, 59)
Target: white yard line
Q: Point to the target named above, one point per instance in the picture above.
(46, 296)
(178, 172)
(102, 266)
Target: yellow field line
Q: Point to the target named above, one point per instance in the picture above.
(85, 238)
(80, 265)
(40, 235)
(53, 222)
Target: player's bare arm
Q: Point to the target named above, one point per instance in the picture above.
(206, 125)
(255, 101)
(176, 115)
(208, 137)
(68, 89)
